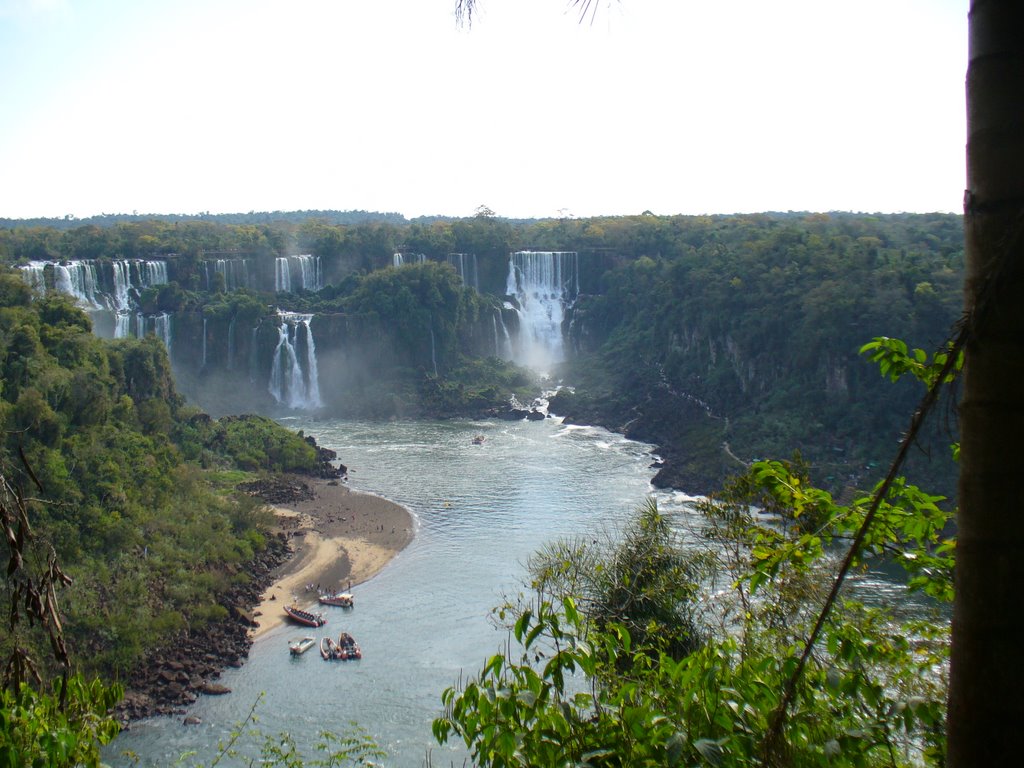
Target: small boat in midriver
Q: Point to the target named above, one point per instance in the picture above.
(306, 618)
(342, 599)
(299, 647)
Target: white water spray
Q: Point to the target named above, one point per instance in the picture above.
(545, 285)
(290, 384)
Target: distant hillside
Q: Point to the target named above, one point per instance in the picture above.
(252, 217)
(720, 338)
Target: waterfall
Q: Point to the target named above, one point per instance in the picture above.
(34, 273)
(465, 265)
(123, 325)
(401, 259)
(545, 284)
(502, 345)
(162, 329)
(204, 345)
(282, 275)
(309, 269)
(234, 271)
(156, 273)
(290, 384)
(85, 280)
(78, 279)
(122, 272)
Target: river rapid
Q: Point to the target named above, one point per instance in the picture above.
(480, 512)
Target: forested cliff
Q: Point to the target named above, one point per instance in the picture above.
(720, 338)
(132, 490)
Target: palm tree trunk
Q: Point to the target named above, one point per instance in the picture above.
(986, 698)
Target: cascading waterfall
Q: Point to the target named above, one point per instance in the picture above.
(282, 275)
(122, 283)
(156, 273)
(235, 273)
(308, 269)
(465, 265)
(502, 344)
(97, 289)
(545, 285)
(34, 273)
(290, 384)
(162, 329)
(204, 344)
(78, 279)
(123, 325)
(401, 259)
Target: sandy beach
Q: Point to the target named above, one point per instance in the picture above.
(340, 538)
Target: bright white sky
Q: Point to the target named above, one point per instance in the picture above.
(676, 106)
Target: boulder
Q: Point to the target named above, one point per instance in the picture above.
(246, 616)
(214, 689)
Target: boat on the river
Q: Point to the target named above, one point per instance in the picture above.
(327, 648)
(299, 647)
(342, 599)
(306, 618)
(349, 647)
(345, 649)
(478, 440)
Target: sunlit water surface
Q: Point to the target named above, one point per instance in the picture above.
(480, 511)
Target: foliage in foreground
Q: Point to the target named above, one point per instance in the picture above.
(57, 728)
(586, 691)
(869, 690)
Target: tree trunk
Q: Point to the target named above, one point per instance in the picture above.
(986, 698)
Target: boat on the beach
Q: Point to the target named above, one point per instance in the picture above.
(344, 649)
(299, 647)
(342, 599)
(306, 618)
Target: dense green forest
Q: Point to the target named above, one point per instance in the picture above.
(720, 339)
(133, 490)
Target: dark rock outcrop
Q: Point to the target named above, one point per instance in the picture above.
(171, 677)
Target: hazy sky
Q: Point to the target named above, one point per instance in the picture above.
(673, 106)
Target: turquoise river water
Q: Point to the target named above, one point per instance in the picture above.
(480, 511)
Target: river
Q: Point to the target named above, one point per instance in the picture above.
(480, 511)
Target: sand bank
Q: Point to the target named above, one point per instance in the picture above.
(340, 538)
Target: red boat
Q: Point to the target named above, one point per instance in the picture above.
(305, 618)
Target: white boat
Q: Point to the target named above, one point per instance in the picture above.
(344, 599)
(298, 647)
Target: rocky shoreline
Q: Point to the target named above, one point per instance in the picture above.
(173, 676)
